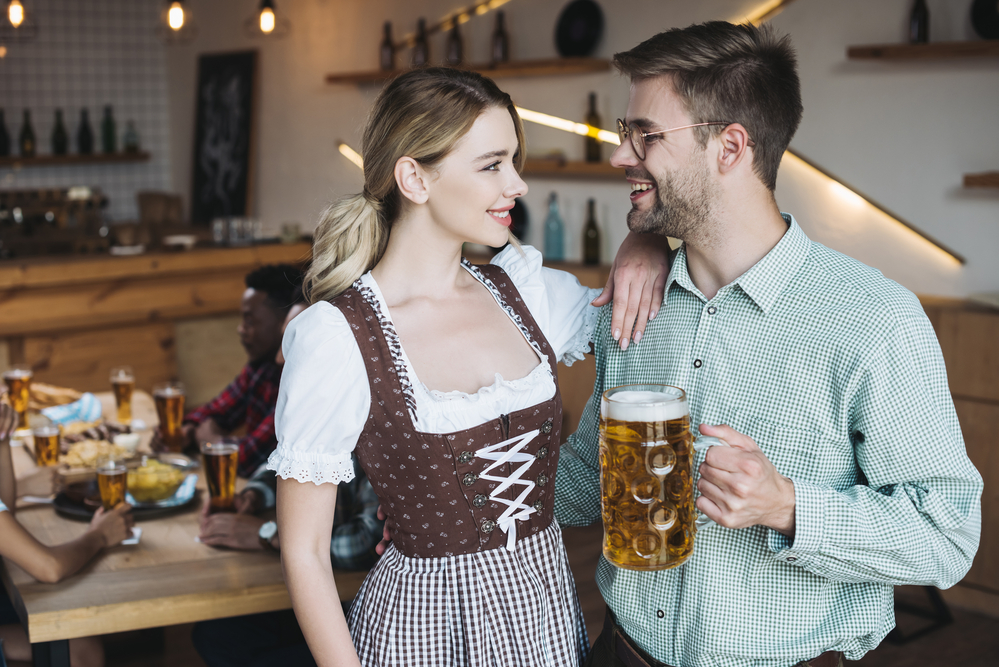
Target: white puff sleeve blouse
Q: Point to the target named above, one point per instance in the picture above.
(324, 399)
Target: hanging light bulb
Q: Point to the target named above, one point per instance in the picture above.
(267, 19)
(15, 12)
(175, 16)
(265, 22)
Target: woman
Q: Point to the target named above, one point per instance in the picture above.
(48, 564)
(442, 376)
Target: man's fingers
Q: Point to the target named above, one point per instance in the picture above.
(730, 436)
(620, 333)
(607, 294)
(658, 294)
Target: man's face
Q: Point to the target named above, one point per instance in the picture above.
(672, 189)
(260, 327)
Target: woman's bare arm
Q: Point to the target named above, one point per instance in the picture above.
(305, 522)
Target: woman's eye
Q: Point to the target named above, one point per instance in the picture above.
(493, 167)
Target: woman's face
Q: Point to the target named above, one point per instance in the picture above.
(476, 184)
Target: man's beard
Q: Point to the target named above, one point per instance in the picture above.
(682, 205)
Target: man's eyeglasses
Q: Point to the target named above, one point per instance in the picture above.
(638, 136)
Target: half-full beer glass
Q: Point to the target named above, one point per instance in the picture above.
(123, 384)
(19, 388)
(112, 480)
(169, 398)
(646, 476)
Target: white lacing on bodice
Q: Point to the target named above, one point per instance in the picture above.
(515, 510)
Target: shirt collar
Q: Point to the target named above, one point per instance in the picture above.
(765, 280)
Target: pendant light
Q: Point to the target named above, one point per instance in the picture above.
(266, 22)
(17, 25)
(176, 23)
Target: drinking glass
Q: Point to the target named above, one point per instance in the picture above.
(169, 399)
(46, 441)
(123, 384)
(112, 480)
(18, 381)
(220, 460)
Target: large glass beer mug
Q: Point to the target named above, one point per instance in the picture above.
(646, 476)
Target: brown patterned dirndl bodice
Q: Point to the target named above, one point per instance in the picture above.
(443, 492)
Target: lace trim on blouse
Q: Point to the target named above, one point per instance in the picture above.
(311, 467)
(580, 343)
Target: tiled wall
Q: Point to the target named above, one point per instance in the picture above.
(88, 54)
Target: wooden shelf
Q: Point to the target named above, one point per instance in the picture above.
(931, 51)
(546, 67)
(987, 179)
(579, 170)
(67, 160)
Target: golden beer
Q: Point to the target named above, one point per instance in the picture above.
(169, 398)
(220, 461)
(46, 440)
(112, 480)
(18, 388)
(123, 384)
(646, 488)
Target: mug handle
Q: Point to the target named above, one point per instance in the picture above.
(703, 443)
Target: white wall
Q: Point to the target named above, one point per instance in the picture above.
(903, 133)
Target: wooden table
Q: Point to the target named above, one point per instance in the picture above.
(166, 579)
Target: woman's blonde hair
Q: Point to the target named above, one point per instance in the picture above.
(421, 114)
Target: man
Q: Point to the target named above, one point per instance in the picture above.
(248, 402)
(847, 473)
(275, 638)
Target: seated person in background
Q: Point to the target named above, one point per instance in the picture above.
(48, 564)
(248, 402)
(275, 638)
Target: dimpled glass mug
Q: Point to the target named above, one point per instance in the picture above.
(646, 476)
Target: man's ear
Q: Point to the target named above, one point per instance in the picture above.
(412, 180)
(734, 147)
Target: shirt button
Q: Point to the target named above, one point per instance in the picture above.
(542, 479)
(660, 613)
(539, 505)
(470, 478)
(712, 310)
(541, 453)
(488, 525)
(465, 457)
(791, 559)
(697, 363)
(479, 500)
(546, 428)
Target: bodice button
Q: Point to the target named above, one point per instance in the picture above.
(470, 478)
(542, 479)
(488, 525)
(479, 500)
(538, 505)
(541, 453)
(465, 457)
(546, 428)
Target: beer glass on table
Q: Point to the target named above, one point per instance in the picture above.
(112, 480)
(123, 384)
(646, 476)
(220, 460)
(46, 441)
(169, 399)
(18, 382)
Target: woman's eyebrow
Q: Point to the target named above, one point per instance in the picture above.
(492, 154)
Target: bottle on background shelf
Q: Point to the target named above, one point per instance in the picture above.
(386, 52)
(421, 47)
(84, 136)
(131, 138)
(454, 51)
(554, 232)
(919, 23)
(4, 137)
(593, 151)
(591, 235)
(26, 140)
(500, 51)
(60, 138)
(109, 136)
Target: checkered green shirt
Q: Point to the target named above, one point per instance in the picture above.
(836, 373)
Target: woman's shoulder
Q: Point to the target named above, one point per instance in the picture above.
(319, 323)
(521, 264)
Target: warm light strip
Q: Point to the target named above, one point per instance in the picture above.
(581, 129)
(463, 15)
(351, 155)
(929, 239)
(764, 12)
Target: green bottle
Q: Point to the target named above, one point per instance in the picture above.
(109, 138)
(60, 138)
(591, 236)
(84, 135)
(27, 138)
(4, 137)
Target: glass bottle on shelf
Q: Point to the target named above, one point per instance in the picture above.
(591, 235)
(593, 152)
(421, 48)
(554, 232)
(386, 52)
(131, 138)
(919, 23)
(84, 136)
(500, 51)
(60, 138)
(454, 52)
(109, 135)
(4, 137)
(27, 138)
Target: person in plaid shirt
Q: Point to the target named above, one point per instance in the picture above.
(846, 471)
(248, 402)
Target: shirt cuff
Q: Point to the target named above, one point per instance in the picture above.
(318, 468)
(809, 526)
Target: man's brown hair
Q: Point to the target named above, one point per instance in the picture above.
(733, 73)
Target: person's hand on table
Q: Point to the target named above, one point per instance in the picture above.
(206, 431)
(235, 531)
(113, 526)
(248, 501)
(158, 445)
(636, 283)
(386, 533)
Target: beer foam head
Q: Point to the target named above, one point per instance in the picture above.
(636, 405)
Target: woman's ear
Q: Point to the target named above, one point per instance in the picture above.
(734, 144)
(412, 180)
